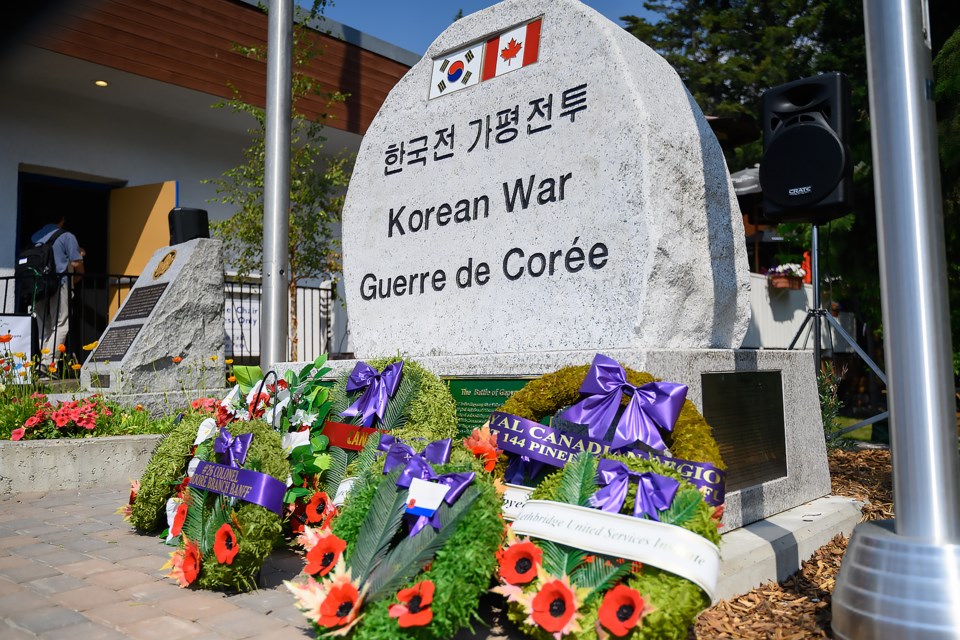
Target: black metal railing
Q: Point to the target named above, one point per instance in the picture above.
(95, 298)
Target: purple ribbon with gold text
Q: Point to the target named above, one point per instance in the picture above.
(655, 492)
(536, 443)
(251, 486)
(378, 388)
(650, 405)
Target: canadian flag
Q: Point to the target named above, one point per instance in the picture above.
(511, 50)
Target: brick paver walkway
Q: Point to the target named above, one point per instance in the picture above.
(71, 568)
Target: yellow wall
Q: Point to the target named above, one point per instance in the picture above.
(138, 225)
(137, 228)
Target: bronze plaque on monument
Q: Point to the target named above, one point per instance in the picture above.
(115, 343)
(745, 410)
(141, 302)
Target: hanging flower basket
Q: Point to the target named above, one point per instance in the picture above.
(784, 282)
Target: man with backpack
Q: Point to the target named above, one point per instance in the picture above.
(50, 296)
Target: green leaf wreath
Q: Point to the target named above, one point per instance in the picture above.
(376, 581)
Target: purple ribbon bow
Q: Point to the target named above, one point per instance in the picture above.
(520, 468)
(458, 483)
(234, 449)
(378, 388)
(417, 464)
(654, 492)
(653, 404)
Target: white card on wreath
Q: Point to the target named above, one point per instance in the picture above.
(424, 497)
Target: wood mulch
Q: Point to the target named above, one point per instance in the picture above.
(799, 607)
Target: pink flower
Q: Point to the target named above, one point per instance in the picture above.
(33, 420)
(17, 434)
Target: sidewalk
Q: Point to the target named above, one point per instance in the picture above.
(71, 568)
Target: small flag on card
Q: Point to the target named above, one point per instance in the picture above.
(456, 70)
(511, 50)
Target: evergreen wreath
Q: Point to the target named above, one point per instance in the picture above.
(164, 472)
(224, 541)
(379, 582)
(691, 438)
(557, 591)
(421, 408)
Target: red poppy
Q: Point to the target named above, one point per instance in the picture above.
(191, 561)
(177, 359)
(225, 545)
(319, 508)
(324, 555)
(7, 337)
(340, 605)
(620, 610)
(178, 519)
(62, 348)
(298, 517)
(414, 608)
(518, 562)
(554, 606)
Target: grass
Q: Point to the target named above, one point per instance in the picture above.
(863, 434)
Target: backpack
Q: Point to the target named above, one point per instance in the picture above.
(36, 271)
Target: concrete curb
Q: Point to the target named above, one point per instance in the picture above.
(772, 549)
(73, 463)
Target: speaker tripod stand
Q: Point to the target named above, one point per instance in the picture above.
(818, 313)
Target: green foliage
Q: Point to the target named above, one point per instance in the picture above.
(206, 513)
(578, 480)
(317, 183)
(380, 524)
(165, 470)
(461, 568)
(830, 404)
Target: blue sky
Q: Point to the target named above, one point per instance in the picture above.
(414, 24)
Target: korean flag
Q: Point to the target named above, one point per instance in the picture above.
(456, 70)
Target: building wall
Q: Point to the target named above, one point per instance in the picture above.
(63, 132)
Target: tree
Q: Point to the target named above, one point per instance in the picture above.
(316, 185)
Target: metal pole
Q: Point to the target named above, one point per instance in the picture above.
(815, 279)
(926, 487)
(276, 185)
(901, 579)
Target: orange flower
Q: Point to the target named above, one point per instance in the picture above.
(518, 562)
(62, 348)
(621, 610)
(177, 359)
(76, 367)
(340, 607)
(139, 407)
(52, 368)
(323, 556)
(7, 337)
(414, 608)
(554, 607)
(28, 363)
(225, 545)
(320, 508)
(232, 379)
(184, 565)
(178, 519)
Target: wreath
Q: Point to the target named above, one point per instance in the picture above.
(164, 472)
(225, 538)
(555, 590)
(415, 405)
(388, 570)
(691, 437)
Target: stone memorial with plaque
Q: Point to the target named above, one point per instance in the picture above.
(168, 334)
(541, 187)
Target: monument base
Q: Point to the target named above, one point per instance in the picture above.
(763, 407)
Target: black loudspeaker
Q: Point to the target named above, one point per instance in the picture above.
(806, 173)
(188, 224)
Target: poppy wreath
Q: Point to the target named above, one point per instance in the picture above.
(691, 438)
(418, 405)
(164, 472)
(225, 540)
(385, 573)
(558, 591)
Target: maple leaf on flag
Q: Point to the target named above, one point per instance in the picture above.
(510, 51)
